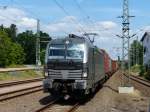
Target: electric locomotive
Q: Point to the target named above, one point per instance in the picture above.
(73, 66)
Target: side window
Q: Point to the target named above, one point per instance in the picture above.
(144, 50)
(148, 39)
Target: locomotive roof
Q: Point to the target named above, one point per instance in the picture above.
(63, 40)
(73, 39)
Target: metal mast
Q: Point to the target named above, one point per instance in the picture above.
(88, 35)
(137, 51)
(126, 39)
(38, 61)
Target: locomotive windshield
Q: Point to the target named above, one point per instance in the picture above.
(68, 51)
(56, 51)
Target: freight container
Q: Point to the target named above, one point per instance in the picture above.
(114, 65)
(107, 66)
(110, 64)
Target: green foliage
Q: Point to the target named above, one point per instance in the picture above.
(10, 52)
(147, 74)
(13, 32)
(16, 54)
(20, 75)
(28, 41)
(136, 69)
(21, 48)
(43, 55)
(15, 66)
(142, 70)
(136, 53)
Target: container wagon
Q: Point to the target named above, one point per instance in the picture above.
(107, 63)
(114, 66)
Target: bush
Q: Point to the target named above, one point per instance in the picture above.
(16, 54)
(147, 74)
(142, 70)
(136, 68)
(10, 52)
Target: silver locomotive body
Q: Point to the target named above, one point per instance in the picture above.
(73, 66)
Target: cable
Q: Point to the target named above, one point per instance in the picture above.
(10, 19)
(62, 8)
(83, 11)
(92, 23)
(31, 12)
(87, 17)
(22, 7)
(5, 8)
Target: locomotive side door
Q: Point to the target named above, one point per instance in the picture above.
(93, 67)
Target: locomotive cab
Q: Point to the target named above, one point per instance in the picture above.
(66, 70)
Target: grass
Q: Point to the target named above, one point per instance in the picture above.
(15, 66)
(20, 75)
(141, 70)
(147, 74)
(136, 68)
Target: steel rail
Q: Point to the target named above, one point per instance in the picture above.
(74, 108)
(20, 82)
(22, 94)
(21, 90)
(139, 80)
(49, 105)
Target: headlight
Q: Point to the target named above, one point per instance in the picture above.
(84, 74)
(45, 71)
(46, 74)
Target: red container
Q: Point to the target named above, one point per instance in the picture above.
(114, 65)
(107, 59)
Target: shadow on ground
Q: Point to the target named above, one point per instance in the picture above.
(107, 86)
(46, 100)
(72, 101)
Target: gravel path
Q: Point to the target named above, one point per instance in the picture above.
(58, 108)
(28, 103)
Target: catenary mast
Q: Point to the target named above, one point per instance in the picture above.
(126, 40)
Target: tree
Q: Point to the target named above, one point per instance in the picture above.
(10, 52)
(27, 40)
(136, 53)
(21, 48)
(11, 31)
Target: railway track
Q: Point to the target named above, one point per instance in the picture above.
(20, 82)
(139, 80)
(51, 104)
(19, 93)
(74, 108)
